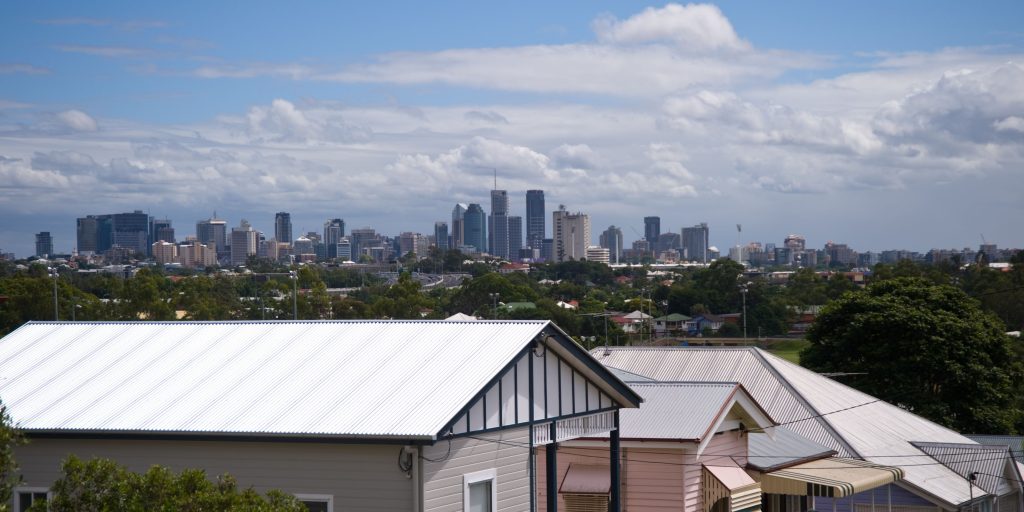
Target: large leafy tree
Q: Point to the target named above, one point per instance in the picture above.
(926, 347)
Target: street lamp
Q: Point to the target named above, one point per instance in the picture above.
(494, 307)
(743, 290)
(294, 276)
(54, 274)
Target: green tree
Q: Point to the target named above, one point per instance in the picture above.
(103, 485)
(10, 438)
(926, 347)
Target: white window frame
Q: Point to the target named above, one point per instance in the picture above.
(34, 490)
(329, 498)
(480, 476)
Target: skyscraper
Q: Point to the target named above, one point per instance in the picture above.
(87, 233)
(498, 224)
(611, 239)
(44, 244)
(695, 243)
(161, 230)
(652, 228)
(571, 234)
(535, 218)
(441, 235)
(458, 230)
(243, 243)
(131, 231)
(283, 227)
(475, 227)
(214, 231)
(334, 231)
(515, 236)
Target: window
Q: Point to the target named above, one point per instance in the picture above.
(24, 497)
(317, 502)
(479, 492)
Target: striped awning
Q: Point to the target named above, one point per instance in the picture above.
(832, 477)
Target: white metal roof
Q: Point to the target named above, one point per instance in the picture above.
(806, 402)
(784, 448)
(388, 379)
(677, 411)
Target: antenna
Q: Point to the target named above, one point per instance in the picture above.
(495, 178)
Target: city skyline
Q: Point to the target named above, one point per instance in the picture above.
(843, 123)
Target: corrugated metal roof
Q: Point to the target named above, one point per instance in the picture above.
(872, 430)
(340, 378)
(1015, 443)
(784, 447)
(989, 462)
(676, 411)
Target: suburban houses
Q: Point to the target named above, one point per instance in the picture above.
(470, 415)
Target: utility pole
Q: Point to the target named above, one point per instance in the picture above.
(494, 305)
(743, 291)
(295, 294)
(56, 310)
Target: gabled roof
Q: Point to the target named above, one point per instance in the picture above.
(783, 449)
(988, 461)
(674, 317)
(336, 379)
(834, 415)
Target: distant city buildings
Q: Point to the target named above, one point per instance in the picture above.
(214, 231)
(652, 228)
(571, 234)
(243, 243)
(44, 244)
(611, 239)
(475, 228)
(283, 227)
(535, 218)
(695, 243)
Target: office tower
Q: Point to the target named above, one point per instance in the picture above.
(695, 243)
(164, 252)
(515, 236)
(243, 243)
(441, 235)
(87, 230)
(409, 242)
(598, 254)
(458, 230)
(668, 242)
(345, 249)
(571, 234)
(44, 244)
(334, 231)
(475, 227)
(611, 239)
(795, 243)
(130, 231)
(652, 228)
(283, 227)
(214, 231)
(535, 218)
(497, 224)
(303, 248)
(991, 252)
(160, 229)
(547, 249)
(360, 239)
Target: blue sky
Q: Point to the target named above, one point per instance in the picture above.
(880, 124)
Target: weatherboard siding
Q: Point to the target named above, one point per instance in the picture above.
(724, 449)
(360, 477)
(505, 451)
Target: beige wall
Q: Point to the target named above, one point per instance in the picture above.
(722, 450)
(507, 452)
(360, 477)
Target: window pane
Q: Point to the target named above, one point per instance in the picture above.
(24, 500)
(315, 506)
(480, 497)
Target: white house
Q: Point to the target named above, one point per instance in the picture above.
(347, 415)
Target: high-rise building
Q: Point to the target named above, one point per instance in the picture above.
(515, 236)
(695, 243)
(214, 231)
(795, 243)
(535, 218)
(243, 243)
(87, 230)
(441, 235)
(497, 224)
(457, 227)
(283, 227)
(44, 244)
(409, 242)
(571, 234)
(362, 238)
(130, 231)
(164, 252)
(160, 230)
(611, 239)
(652, 228)
(334, 231)
(475, 227)
(345, 249)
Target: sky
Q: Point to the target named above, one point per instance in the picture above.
(883, 125)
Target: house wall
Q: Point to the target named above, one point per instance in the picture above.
(900, 498)
(651, 478)
(360, 477)
(507, 452)
(724, 449)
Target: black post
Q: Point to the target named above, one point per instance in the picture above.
(615, 503)
(552, 471)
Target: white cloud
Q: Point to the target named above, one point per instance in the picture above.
(1011, 123)
(78, 121)
(693, 27)
(104, 51)
(25, 69)
(282, 121)
(574, 156)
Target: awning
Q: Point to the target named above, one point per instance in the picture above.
(584, 479)
(730, 483)
(833, 477)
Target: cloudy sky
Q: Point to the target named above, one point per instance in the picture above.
(878, 124)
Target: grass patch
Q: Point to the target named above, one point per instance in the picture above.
(789, 349)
